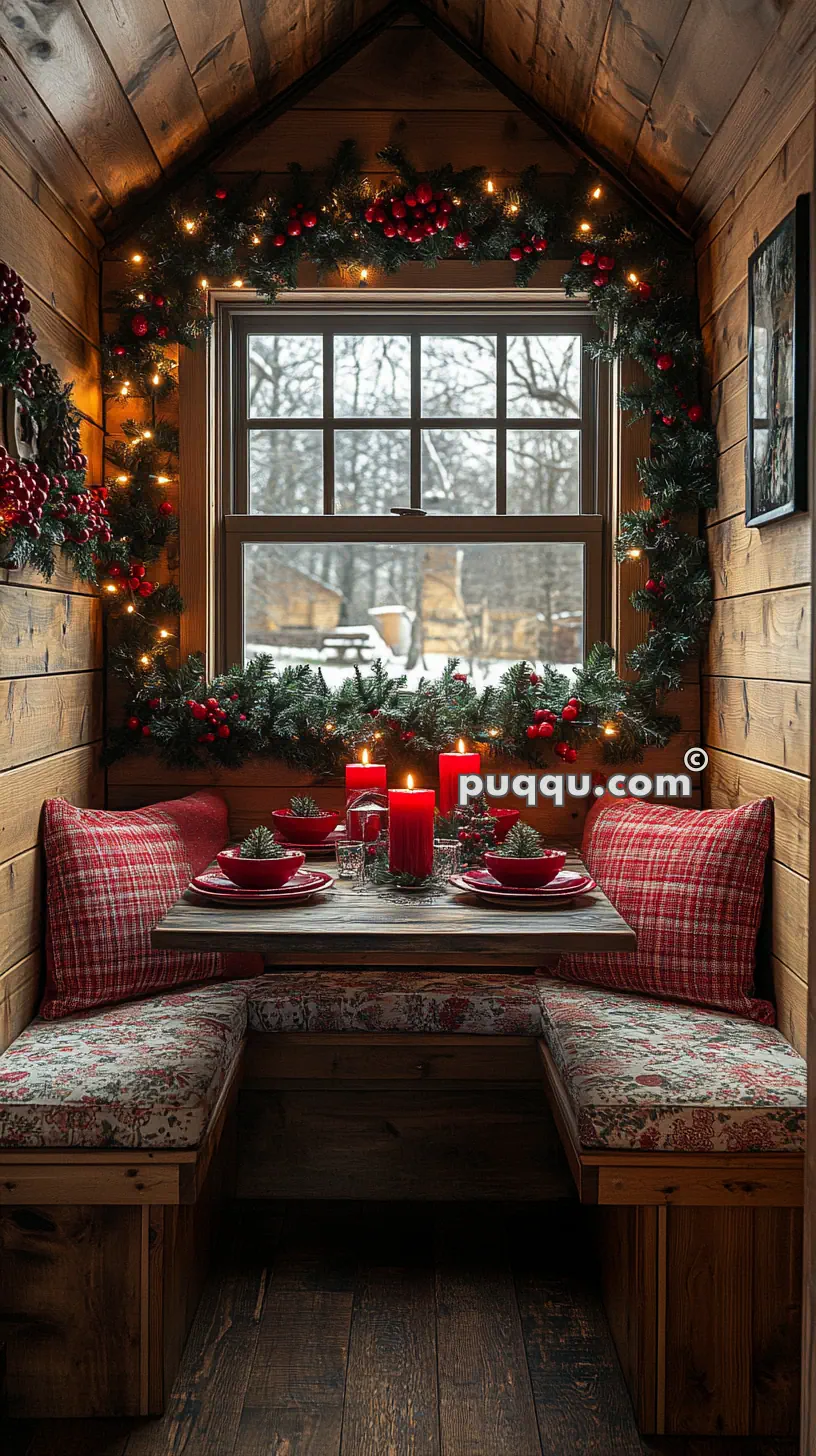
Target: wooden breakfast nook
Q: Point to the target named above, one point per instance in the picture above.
(407, 933)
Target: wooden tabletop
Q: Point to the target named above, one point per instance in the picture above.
(366, 926)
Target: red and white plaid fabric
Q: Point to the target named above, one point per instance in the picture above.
(691, 885)
(111, 877)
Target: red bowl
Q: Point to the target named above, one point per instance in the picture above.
(302, 829)
(505, 819)
(259, 874)
(524, 873)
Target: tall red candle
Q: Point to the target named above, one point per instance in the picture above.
(365, 775)
(451, 765)
(411, 830)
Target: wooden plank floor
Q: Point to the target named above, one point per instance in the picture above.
(391, 1330)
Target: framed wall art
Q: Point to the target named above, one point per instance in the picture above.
(778, 368)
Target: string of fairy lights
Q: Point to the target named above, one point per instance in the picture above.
(635, 280)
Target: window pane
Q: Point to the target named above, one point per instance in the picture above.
(372, 471)
(543, 376)
(285, 376)
(543, 472)
(334, 604)
(372, 376)
(286, 472)
(459, 472)
(458, 376)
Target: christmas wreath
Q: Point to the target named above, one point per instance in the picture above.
(633, 276)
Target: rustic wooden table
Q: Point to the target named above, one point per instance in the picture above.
(367, 926)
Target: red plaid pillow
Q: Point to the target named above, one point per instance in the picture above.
(691, 885)
(111, 876)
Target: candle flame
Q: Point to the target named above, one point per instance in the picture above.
(410, 781)
(364, 756)
(461, 745)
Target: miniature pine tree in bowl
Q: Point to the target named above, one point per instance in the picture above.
(522, 861)
(259, 862)
(303, 822)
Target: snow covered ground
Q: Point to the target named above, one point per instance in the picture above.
(431, 666)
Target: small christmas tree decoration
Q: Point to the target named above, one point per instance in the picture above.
(304, 807)
(261, 843)
(523, 842)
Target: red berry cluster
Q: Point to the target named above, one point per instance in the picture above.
(300, 217)
(24, 490)
(14, 308)
(142, 327)
(527, 243)
(544, 719)
(413, 215)
(134, 577)
(656, 588)
(212, 715)
(603, 263)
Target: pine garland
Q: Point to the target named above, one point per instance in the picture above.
(635, 279)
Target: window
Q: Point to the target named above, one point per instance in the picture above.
(345, 426)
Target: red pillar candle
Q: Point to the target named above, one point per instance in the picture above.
(365, 775)
(451, 765)
(411, 830)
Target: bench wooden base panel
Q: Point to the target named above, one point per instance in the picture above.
(704, 1305)
(96, 1301)
(390, 1143)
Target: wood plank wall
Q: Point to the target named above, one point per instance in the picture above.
(51, 696)
(408, 88)
(756, 675)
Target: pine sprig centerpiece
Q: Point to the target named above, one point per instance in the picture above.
(261, 843)
(472, 825)
(379, 873)
(523, 842)
(303, 806)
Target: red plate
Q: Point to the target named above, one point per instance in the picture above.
(566, 882)
(545, 896)
(216, 888)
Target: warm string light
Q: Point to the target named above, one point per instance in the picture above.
(162, 479)
(585, 227)
(109, 587)
(329, 727)
(597, 192)
(130, 610)
(202, 283)
(634, 553)
(122, 479)
(633, 278)
(237, 282)
(189, 225)
(156, 379)
(255, 240)
(489, 185)
(610, 731)
(492, 732)
(147, 434)
(164, 634)
(144, 660)
(141, 297)
(136, 258)
(363, 277)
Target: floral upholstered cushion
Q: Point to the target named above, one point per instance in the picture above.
(419, 1001)
(650, 1075)
(144, 1075)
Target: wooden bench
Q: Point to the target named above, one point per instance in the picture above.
(701, 1267)
(103, 1252)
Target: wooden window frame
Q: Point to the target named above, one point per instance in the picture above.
(210, 566)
